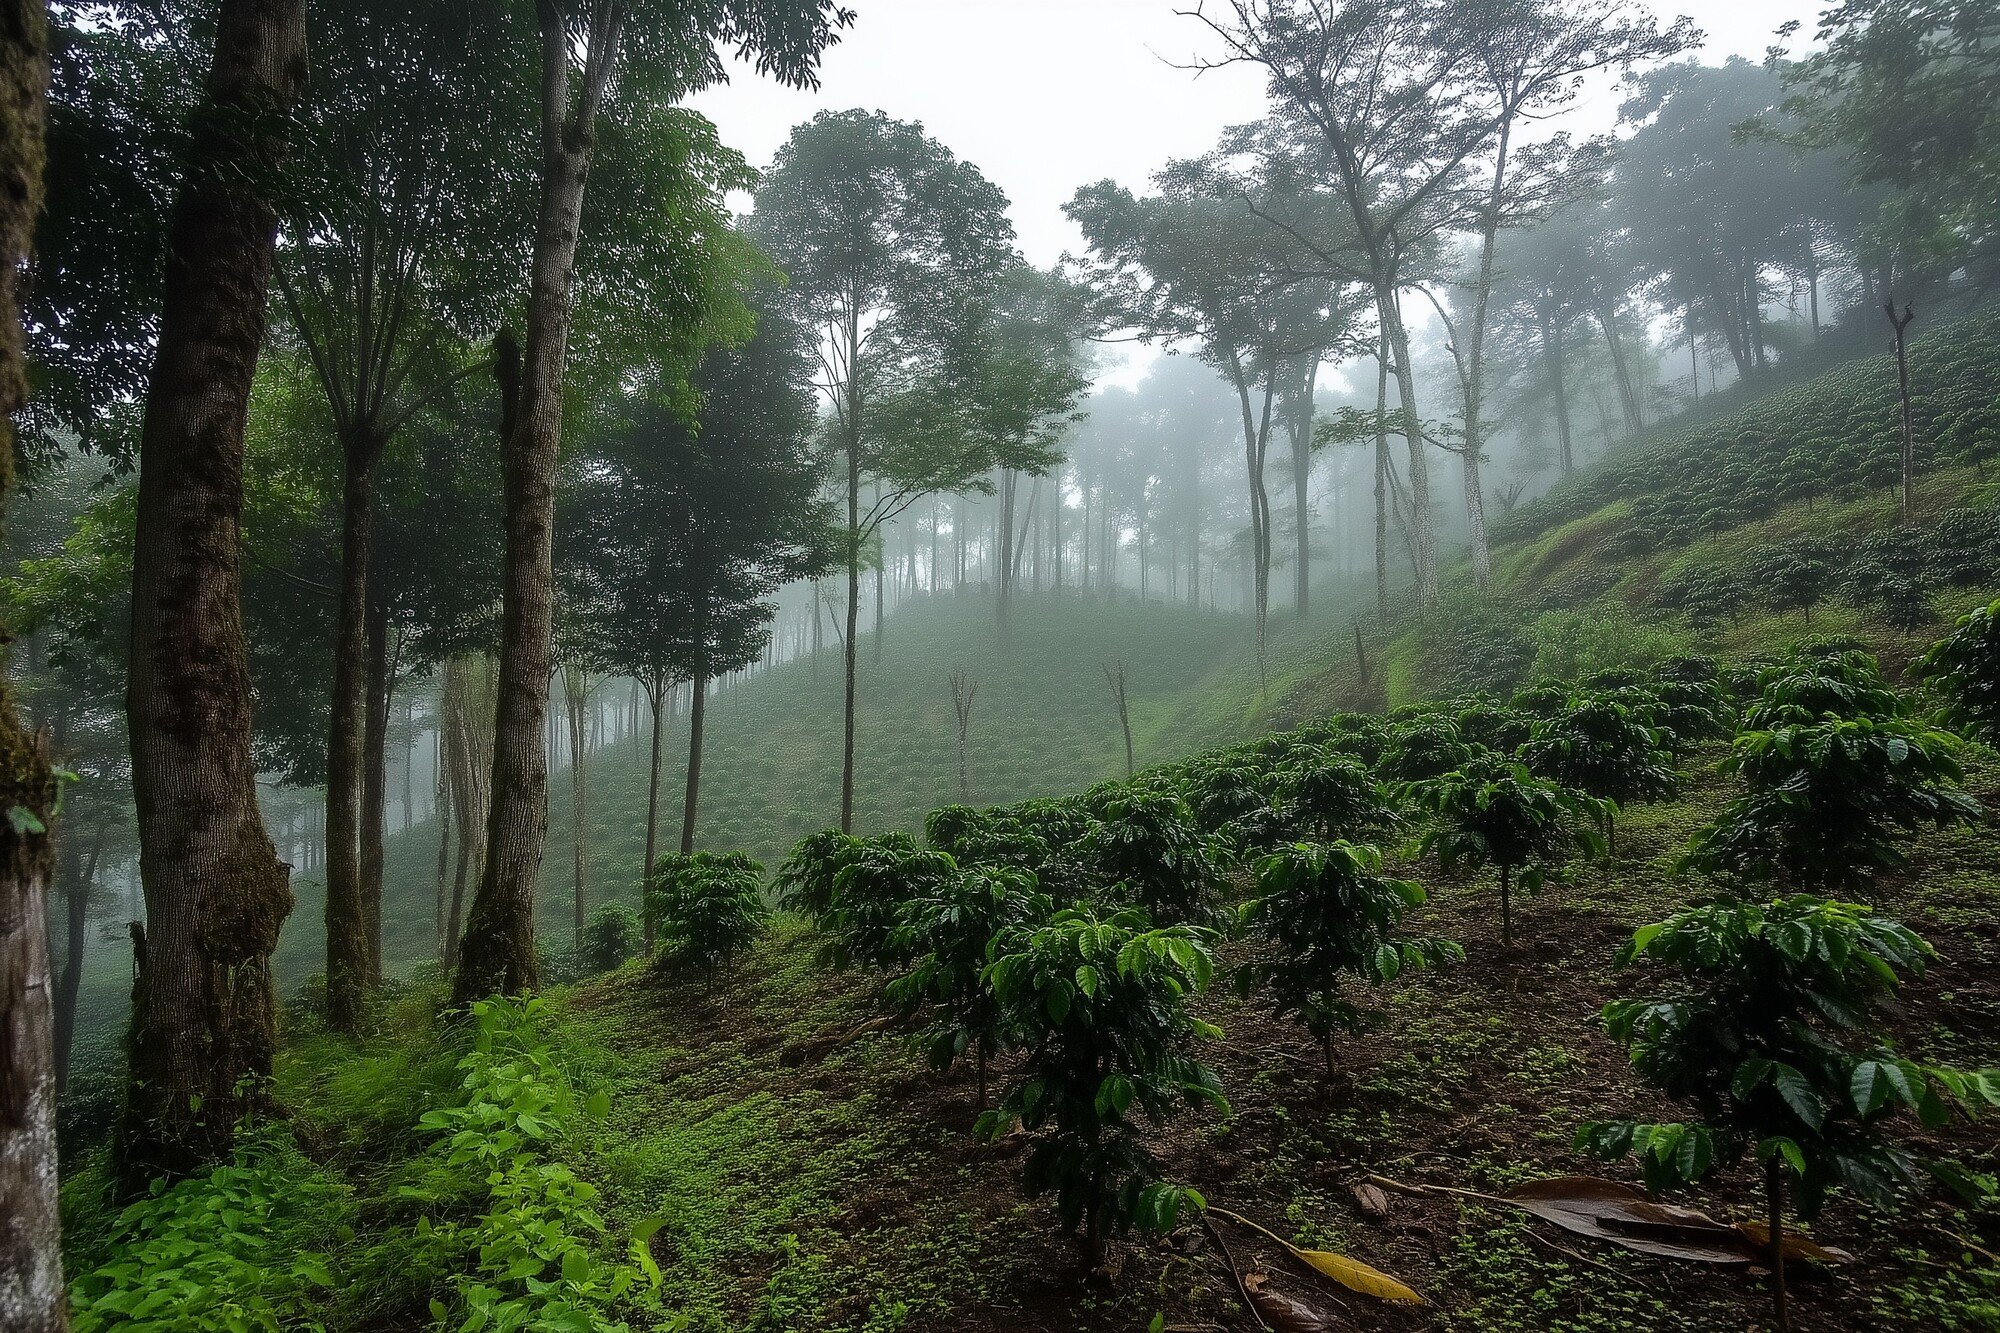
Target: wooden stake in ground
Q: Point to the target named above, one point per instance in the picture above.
(1900, 323)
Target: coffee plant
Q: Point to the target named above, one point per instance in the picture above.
(1772, 1039)
(950, 929)
(1149, 844)
(610, 939)
(1324, 913)
(1100, 1005)
(1601, 747)
(706, 907)
(1329, 797)
(1496, 813)
(1827, 804)
(1964, 667)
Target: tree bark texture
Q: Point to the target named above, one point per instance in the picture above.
(697, 712)
(347, 969)
(498, 953)
(203, 1020)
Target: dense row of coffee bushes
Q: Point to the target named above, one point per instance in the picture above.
(1834, 437)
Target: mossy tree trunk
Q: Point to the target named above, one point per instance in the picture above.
(31, 1281)
(203, 1019)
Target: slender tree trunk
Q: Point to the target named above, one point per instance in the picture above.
(1423, 533)
(1901, 323)
(847, 645)
(1552, 353)
(203, 1020)
(443, 812)
(655, 689)
(499, 950)
(76, 939)
(1506, 908)
(32, 1299)
(576, 700)
(375, 784)
(347, 933)
(1475, 375)
(1628, 393)
(1382, 478)
(697, 711)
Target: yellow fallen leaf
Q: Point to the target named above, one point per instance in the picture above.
(1357, 1276)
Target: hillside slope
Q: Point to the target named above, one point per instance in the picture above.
(1042, 722)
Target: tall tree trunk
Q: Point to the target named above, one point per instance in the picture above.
(576, 700)
(203, 1022)
(697, 711)
(1382, 476)
(656, 689)
(1552, 355)
(1423, 533)
(347, 927)
(498, 954)
(847, 645)
(443, 813)
(1901, 324)
(1621, 373)
(76, 939)
(32, 1299)
(381, 679)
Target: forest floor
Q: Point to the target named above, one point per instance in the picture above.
(815, 1174)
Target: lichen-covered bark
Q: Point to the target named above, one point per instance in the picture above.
(31, 1285)
(203, 1021)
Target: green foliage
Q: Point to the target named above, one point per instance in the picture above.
(1573, 644)
(1101, 1006)
(610, 938)
(1793, 575)
(1149, 845)
(1964, 667)
(1326, 912)
(1760, 1040)
(1332, 797)
(1425, 747)
(1600, 746)
(1827, 803)
(875, 878)
(1834, 437)
(242, 1249)
(528, 1250)
(706, 907)
(951, 929)
(1495, 812)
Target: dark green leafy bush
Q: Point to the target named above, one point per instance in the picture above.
(1601, 747)
(1757, 1042)
(1826, 804)
(1964, 667)
(1149, 843)
(876, 878)
(1331, 797)
(951, 930)
(1496, 813)
(1425, 748)
(1325, 912)
(1100, 1004)
(610, 938)
(706, 907)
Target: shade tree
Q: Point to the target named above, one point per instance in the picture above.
(894, 252)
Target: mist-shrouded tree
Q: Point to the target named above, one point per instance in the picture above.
(203, 1017)
(617, 63)
(1529, 58)
(1022, 370)
(681, 530)
(1196, 262)
(32, 1297)
(895, 253)
(1379, 99)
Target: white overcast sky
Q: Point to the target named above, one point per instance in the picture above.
(1048, 95)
